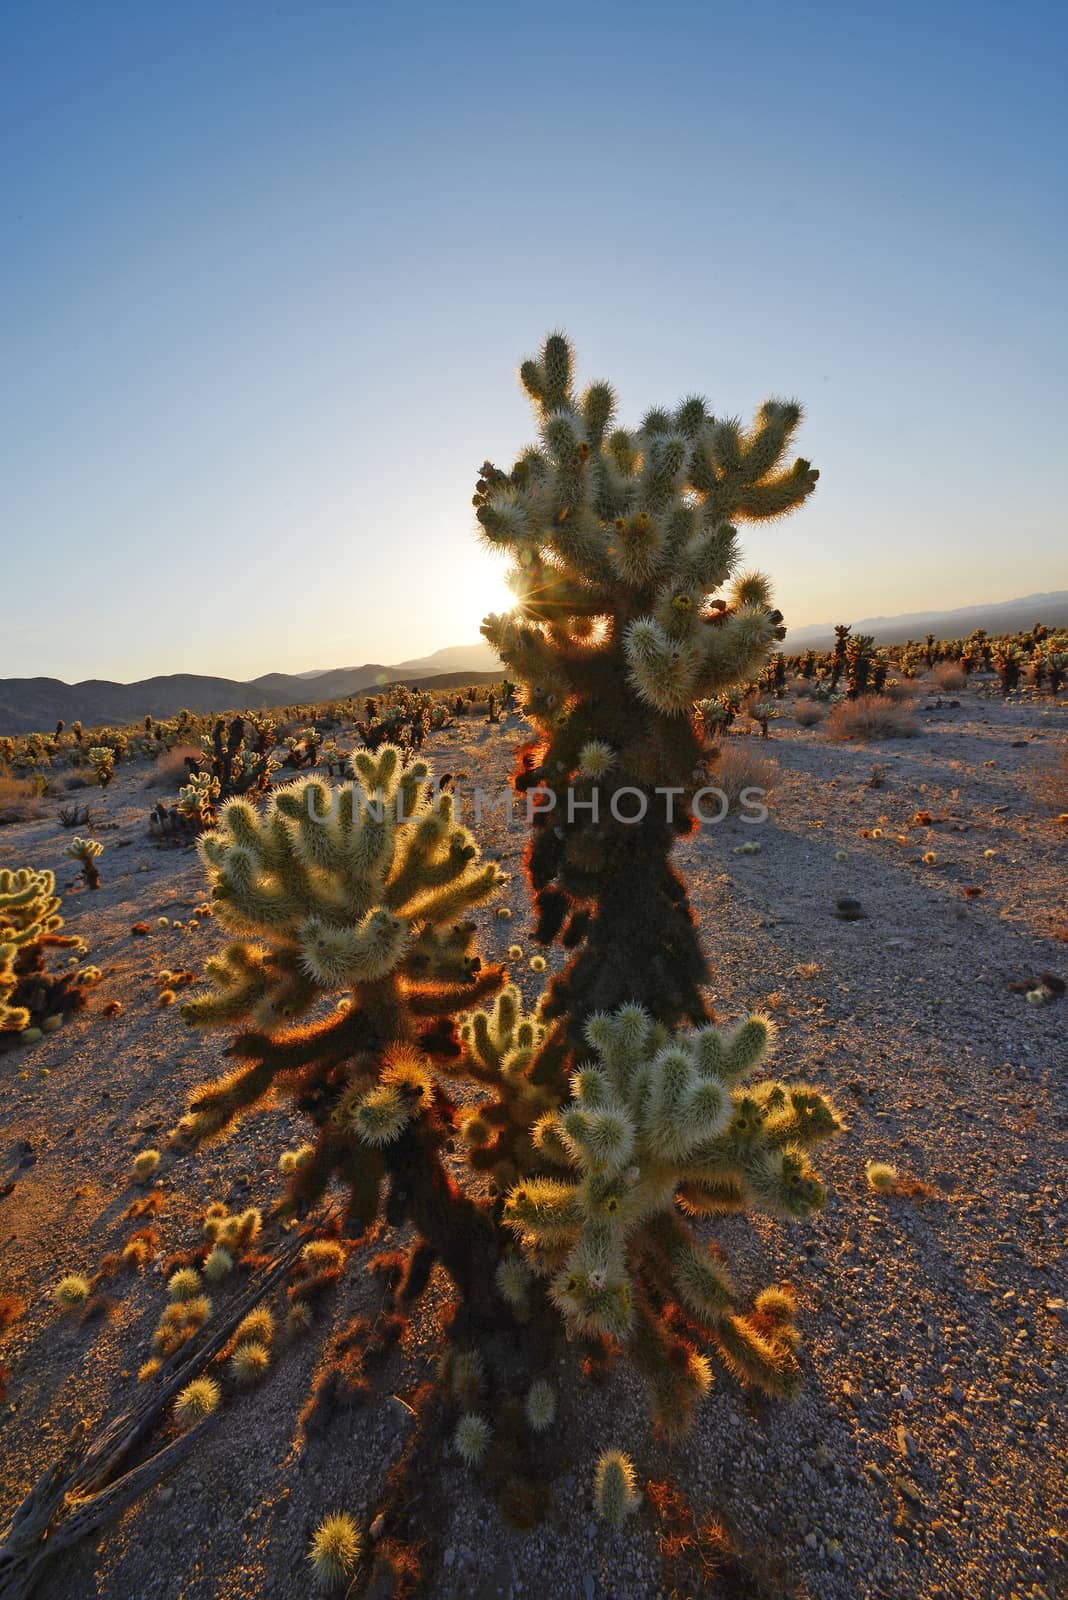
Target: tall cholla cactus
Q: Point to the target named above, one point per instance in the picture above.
(658, 1122)
(359, 891)
(621, 540)
(30, 924)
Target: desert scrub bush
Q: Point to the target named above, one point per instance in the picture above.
(86, 852)
(362, 891)
(172, 767)
(30, 926)
(335, 1550)
(872, 716)
(21, 799)
(808, 713)
(949, 677)
(740, 774)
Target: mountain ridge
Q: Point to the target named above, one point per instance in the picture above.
(997, 616)
(35, 705)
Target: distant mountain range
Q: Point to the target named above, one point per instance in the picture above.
(29, 705)
(1002, 616)
(35, 705)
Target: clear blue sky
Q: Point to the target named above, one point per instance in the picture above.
(268, 269)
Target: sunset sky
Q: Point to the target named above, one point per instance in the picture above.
(268, 271)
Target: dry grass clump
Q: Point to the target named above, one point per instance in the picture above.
(20, 799)
(949, 676)
(872, 716)
(169, 771)
(807, 713)
(737, 768)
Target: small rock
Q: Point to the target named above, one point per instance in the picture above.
(911, 1491)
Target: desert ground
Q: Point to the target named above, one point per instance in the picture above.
(925, 1455)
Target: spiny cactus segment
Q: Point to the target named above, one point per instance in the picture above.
(660, 1124)
(362, 890)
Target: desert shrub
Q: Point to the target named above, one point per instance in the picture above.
(21, 799)
(807, 713)
(872, 716)
(949, 677)
(737, 768)
(897, 690)
(171, 770)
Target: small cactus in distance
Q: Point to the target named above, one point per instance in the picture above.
(762, 713)
(86, 852)
(102, 761)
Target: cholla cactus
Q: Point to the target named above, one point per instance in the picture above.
(360, 890)
(501, 1047)
(621, 539)
(102, 761)
(240, 770)
(29, 925)
(86, 852)
(198, 799)
(1008, 663)
(762, 713)
(661, 1124)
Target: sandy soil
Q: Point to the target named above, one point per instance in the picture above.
(925, 1456)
